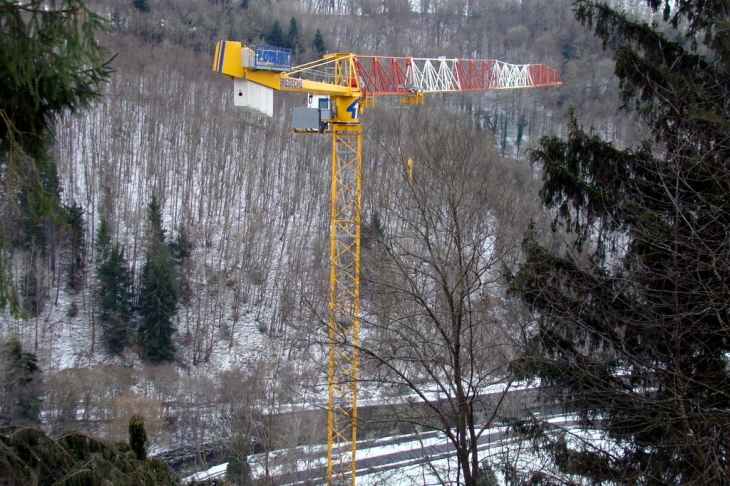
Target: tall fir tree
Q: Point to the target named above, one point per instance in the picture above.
(19, 385)
(158, 292)
(275, 36)
(114, 295)
(318, 43)
(39, 217)
(74, 214)
(51, 63)
(138, 436)
(292, 37)
(181, 249)
(238, 471)
(632, 319)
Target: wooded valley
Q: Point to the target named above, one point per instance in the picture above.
(183, 275)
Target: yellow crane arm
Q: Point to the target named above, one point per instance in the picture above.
(270, 68)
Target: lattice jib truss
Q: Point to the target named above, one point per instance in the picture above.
(379, 75)
(344, 302)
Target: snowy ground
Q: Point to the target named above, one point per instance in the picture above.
(405, 472)
(405, 461)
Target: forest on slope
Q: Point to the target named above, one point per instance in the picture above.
(241, 207)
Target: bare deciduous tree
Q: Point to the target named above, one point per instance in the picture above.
(433, 325)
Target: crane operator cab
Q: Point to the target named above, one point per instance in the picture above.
(313, 117)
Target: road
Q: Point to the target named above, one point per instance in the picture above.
(375, 457)
(404, 451)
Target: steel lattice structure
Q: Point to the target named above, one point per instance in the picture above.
(349, 82)
(344, 301)
(379, 75)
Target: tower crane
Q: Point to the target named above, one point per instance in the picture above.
(340, 86)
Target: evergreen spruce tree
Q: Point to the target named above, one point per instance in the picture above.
(275, 36)
(292, 38)
(632, 327)
(141, 5)
(486, 475)
(138, 437)
(318, 43)
(372, 231)
(28, 457)
(181, 249)
(158, 292)
(32, 288)
(238, 471)
(19, 385)
(50, 63)
(36, 198)
(76, 229)
(114, 291)
(103, 241)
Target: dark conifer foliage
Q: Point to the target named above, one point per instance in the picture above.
(138, 437)
(20, 382)
(275, 36)
(74, 215)
(29, 457)
(114, 290)
(36, 202)
(32, 288)
(238, 471)
(372, 231)
(181, 249)
(50, 62)
(39, 219)
(292, 37)
(141, 5)
(318, 43)
(158, 292)
(633, 329)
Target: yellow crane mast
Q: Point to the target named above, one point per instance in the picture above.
(339, 87)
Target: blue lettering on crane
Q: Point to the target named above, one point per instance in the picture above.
(272, 58)
(352, 109)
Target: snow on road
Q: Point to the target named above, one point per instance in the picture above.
(409, 465)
